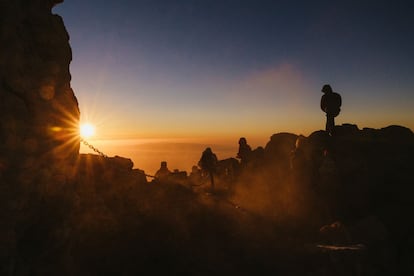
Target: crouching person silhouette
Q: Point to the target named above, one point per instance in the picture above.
(163, 172)
(330, 104)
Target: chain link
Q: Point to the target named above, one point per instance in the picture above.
(93, 148)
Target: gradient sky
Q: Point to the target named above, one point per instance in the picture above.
(222, 68)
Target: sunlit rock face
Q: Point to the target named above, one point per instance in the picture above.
(39, 111)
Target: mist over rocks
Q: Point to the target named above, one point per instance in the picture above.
(361, 178)
(103, 209)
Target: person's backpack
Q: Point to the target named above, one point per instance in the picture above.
(334, 104)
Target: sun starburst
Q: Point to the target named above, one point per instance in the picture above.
(86, 130)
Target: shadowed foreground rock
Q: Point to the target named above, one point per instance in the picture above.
(104, 218)
(39, 114)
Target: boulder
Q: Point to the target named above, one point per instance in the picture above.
(280, 146)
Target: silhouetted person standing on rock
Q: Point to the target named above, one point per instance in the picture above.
(245, 151)
(208, 163)
(331, 104)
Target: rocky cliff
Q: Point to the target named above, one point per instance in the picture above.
(39, 141)
(38, 109)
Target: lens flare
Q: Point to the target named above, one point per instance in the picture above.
(86, 130)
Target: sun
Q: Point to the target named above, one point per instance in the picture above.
(87, 130)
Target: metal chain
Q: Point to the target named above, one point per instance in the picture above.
(238, 207)
(93, 148)
(101, 153)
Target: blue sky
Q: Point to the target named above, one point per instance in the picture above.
(222, 68)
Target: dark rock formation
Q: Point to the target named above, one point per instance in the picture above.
(278, 149)
(38, 109)
(39, 141)
(375, 165)
(362, 178)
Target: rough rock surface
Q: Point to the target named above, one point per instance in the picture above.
(38, 109)
(39, 116)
